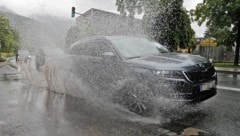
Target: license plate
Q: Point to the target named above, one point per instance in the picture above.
(207, 86)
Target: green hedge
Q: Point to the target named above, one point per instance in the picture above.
(4, 55)
(224, 64)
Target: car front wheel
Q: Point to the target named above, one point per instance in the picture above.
(135, 98)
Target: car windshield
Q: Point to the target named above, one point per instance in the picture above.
(137, 47)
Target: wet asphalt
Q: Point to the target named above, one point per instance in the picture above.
(34, 111)
(229, 80)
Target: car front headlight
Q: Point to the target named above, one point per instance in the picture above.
(168, 73)
(211, 60)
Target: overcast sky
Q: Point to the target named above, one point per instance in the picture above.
(62, 8)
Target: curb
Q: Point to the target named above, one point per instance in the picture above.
(8, 62)
(2, 64)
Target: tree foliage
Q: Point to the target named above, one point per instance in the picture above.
(223, 36)
(223, 21)
(165, 21)
(8, 36)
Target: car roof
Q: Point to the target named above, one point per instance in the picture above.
(102, 37)
(122, 37)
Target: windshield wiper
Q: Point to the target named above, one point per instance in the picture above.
(134, 57)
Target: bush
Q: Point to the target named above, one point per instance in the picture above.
(2, 59)
(4, 55)
(224, 64)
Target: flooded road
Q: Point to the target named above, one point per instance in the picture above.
(229, 80)
(29, 109)
(41, 113)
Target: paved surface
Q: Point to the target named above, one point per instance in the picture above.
(228, 70)
(31, 110)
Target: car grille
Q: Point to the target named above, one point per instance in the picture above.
(200, 75)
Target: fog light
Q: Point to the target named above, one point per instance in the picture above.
(211, 60)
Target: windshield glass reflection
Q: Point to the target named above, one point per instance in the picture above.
(137, 47)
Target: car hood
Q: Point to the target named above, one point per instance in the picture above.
(169, 61)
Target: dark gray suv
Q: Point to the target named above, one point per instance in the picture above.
(142, 72)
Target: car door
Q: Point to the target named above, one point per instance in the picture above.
(95, 66)
(106, 65)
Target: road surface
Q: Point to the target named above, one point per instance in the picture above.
(31, 110)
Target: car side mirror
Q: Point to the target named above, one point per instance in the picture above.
(110, 55)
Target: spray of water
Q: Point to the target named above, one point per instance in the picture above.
(60, 77)
(62, 74)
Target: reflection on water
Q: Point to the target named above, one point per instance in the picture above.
(78, 115)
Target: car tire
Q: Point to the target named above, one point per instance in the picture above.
(135, 98)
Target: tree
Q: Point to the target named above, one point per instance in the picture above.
(223, 35)
(164, 21)
(223, 17)
(8, 36)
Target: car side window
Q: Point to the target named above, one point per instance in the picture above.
(79, 49)
(97, 47)
(93, 48)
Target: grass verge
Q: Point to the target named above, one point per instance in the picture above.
(225, 64)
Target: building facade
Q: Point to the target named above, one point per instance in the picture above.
(99, 22)
(96, 22)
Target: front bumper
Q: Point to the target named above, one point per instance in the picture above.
(195, 97)
(184, 91)
(194, 92)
